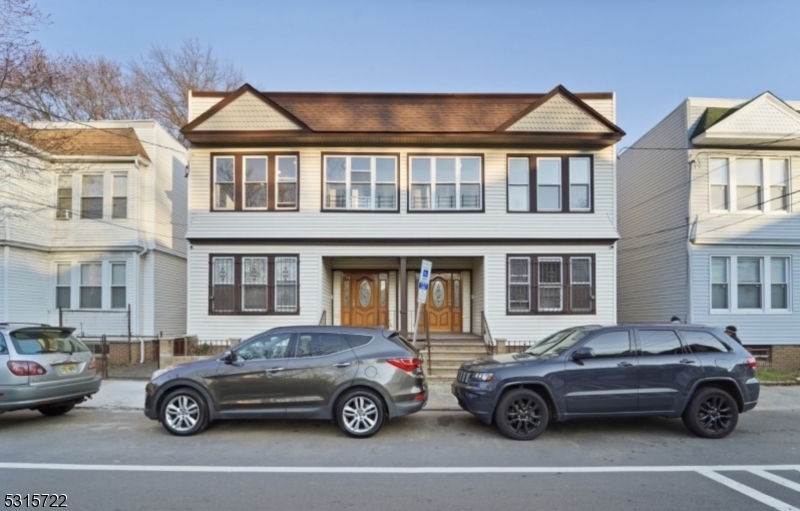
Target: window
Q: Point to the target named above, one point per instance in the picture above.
(550, 183)
(659, 342)
(318, 345)
(748, 184)
(269, 347)
(63, 285)
(119, 298)
(548, 284)
(253, 284)
(367, 183)
(611, 344)
(778, 182)
(254, 182)
(445, 183)
(91, 295)
(750, 284)
(719, 178)
(119, 196)
(356, 341)
(64, 208)
(92, 196)
(703, 342)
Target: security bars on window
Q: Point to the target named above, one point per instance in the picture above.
(253, 284)
(547, 284)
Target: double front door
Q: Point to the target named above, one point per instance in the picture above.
(443, 303)
(365, 299)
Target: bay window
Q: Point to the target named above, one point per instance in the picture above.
(119, 196)
(750, 284)
(749, 184)
(64, 197)
(442, 183)
(360, 183)
(92, 196)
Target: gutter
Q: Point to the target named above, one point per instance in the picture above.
(136, 159)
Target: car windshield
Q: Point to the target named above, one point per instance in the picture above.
(36, 341)
(558, 343)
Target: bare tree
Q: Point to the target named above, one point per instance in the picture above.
(167, 75)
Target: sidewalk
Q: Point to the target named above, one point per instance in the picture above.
(129, 395)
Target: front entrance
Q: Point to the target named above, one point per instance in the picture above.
(365, 299)
(443, 304)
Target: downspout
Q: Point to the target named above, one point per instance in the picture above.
(136, 266)
(690, 236)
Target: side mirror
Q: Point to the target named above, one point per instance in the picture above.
(583, 353)
(227, 357)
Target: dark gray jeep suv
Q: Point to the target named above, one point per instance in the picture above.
(359, 377)
(692, 372)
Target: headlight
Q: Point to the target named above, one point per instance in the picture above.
(158, 373)
(483, 376)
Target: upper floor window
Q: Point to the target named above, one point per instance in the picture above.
(253, 284)
(547, 284)
(254, 182)
(92, 196)
(749, 184)
(444, 183)
(750, 284)
(64, 206)
(551, 183)
(119, 196)
(360, 182)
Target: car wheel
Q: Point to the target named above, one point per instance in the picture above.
(55, 410)
(522, 414)
(184, 412)
(360, 413)
(712, 413)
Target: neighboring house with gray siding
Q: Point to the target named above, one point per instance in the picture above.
(710, 220)
(92, 225)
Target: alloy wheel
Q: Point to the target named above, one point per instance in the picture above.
(523, 415)
(360, 414)
(182, 413)
(714, 414)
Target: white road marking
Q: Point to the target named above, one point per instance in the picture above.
(746, 490)
(776, 479)
(394, 470)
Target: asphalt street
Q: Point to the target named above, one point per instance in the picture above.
(119, 460)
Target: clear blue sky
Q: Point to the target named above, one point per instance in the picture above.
(651, 53)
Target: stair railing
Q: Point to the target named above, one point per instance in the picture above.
(323, 320)
(427, 339)
(486, 335)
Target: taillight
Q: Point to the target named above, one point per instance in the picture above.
(419, 397)
(406, 364)
(751, 362)
(25, 368)
(92, 364)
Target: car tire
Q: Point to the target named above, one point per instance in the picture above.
(522, 414)
(712, 413)
(56, 410)
(360, 413)
(184, 412)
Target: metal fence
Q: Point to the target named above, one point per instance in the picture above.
(117, 357)
(193, 347)
(518, 346)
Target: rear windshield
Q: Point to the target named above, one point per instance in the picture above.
(402, 342)
(37, 341)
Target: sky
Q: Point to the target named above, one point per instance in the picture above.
(651, 53)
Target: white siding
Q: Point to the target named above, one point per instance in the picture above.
(478, 293)
(198, 105)
(170, 192)
(466, 302)
(753, 328)
(653, 196)
(326, 294)
(170, 295)
(28, 282)
(29, 192)
(5, 257)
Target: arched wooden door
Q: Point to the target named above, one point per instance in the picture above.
(364, 300)
(443, 304)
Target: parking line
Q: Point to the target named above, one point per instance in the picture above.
(746, 490)
(776, 479)
(393, 470)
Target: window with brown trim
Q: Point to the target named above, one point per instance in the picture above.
(253, 284)
(254, 182)
(550, 183)
(550, 284)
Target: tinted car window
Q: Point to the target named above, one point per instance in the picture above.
(659, 342)
(703, 342)
(358, 340)
(558, 345)
(317, 345)
(35, 341)
(3, 348)
(265, 348)
(611, 344)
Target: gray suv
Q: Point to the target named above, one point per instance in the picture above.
(44, 368)
(357, 377)
(696, 373)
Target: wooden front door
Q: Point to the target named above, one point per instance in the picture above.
(364, 300)
(443, 304)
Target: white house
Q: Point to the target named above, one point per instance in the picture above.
(92, 225)
(710, 222)
(319, 207)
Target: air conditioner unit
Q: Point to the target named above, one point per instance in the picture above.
(63, 214)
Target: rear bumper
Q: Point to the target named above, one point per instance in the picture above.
(408, 407)
(20, 397)
(476, 401)
(752, 389)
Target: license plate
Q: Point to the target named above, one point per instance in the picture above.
(69, 369)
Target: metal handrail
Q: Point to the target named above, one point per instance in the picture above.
(486, 335)
(323, 320)
(427, 338)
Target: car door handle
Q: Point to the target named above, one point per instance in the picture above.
(624, 364)
(688, 361)
(275, 369)
(342, 364)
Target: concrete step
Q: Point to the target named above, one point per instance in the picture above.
(450, 362)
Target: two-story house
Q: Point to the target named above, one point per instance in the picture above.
(92, 227)
(319, 207)
(710, 224)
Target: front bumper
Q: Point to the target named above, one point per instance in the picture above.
(21, 397)
(475, 399)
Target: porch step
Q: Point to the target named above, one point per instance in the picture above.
(450, 362)
(456, 351)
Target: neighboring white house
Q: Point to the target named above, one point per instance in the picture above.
(710, 222)
(310, 207)
(92, 224)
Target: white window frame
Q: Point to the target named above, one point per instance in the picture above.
(348, 184)
(112, 286)
(766, 184)
(526, 284)
(458, 182)
(711, 185)
(587, 184)
(214, 179)
(65, 213)
(560, 207)
(726, 283)
(766, 285)
(101, 196)
(114, 196)
(550, 285)
(279, 180)
(786, 186)
(245, 182)
(69, 284)
(101, 286)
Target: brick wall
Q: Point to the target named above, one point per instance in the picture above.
(786, 357)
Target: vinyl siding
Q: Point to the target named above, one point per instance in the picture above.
(198, 105)
(478, 294)
(169, 295)
(653, 196)
(28, 281)
(4, 294)
(758, 328)
(326, 293)
(170, 192)
(466, 301)
(30, 195)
